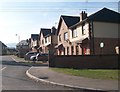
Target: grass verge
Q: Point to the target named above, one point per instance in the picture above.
(90, 73)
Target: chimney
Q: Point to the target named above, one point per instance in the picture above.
(83, 15)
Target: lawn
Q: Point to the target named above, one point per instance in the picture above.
(90, 73)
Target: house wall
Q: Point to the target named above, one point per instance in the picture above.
(48, 40)
(63, 29)
(42, 44)
(105, 30)
(80, 37)
(106, 33)
(34, 43)
(109, 45)
(3, 49)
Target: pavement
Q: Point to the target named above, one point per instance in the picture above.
(46, 75)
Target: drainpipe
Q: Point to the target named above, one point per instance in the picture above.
(91, 30)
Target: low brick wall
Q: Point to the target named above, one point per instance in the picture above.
(84, 62)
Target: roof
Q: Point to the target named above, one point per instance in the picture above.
(45, 31)
(23, 42)
(34, 36)
(69, 20)
(2, 44)
(106, 15)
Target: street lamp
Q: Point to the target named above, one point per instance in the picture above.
(18, 37)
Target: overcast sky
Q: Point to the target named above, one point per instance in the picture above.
(26, 17)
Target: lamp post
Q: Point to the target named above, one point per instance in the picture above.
(18, 37)
(101, 47)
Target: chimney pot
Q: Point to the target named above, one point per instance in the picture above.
(83, 15)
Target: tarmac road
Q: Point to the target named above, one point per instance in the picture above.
(14, 77)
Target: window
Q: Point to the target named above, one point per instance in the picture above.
(60, 37)
(45, 39)
(49, 39)
(83, 29)
(42, 41)
(66, 36)
(74, 33)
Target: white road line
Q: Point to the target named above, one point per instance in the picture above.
(14, 59)
(3, 68)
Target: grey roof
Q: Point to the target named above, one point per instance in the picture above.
(103, 15)
(45, 31)
(2, 44)
(23, 42)
(34, 36)
(106, 15)
(69, 20)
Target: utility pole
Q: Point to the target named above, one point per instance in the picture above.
(18, 37)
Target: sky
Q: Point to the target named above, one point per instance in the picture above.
(26, 17)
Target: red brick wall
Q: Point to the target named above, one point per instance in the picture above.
(109, 45)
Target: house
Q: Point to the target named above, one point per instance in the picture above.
(3, 48)
(22, 47)
(47, 40)
(96, 34)
(44, 40)
(64, 45)
(34, 42)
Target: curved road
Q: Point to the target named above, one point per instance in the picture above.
(14, 77)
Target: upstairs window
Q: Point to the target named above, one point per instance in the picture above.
(49, 39)
(74, 33)
(42, 41)
(83, 29)
(45, 39)
(66, 36)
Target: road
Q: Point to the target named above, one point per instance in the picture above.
(14, 77)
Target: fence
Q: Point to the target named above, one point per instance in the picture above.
(84, 61)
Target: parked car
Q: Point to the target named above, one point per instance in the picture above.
(42, 57)
(33, 58)
(29, 54)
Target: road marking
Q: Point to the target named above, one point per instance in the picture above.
(3, 68)
(14, 59)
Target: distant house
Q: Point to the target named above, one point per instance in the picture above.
(34, 42)
(44, 40)
(48, 40)
(64, 46)
(3, 48)
(22, 47)
(97, 33)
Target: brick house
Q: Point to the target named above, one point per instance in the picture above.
(47, 40)
(64, 46)
(44, 39)
(97, 33)
(22, 47)
(34, 42)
